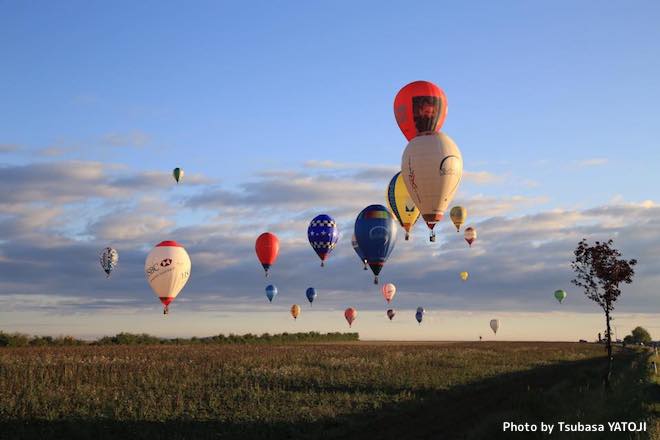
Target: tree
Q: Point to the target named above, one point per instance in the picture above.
(640, 334)
(599, 270)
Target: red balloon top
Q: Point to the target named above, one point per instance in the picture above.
(420, 107)
(267, 247)
(170, 243)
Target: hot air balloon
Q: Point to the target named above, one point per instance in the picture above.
(401, 204)
(108, 258)
(323, 235)
(560, 295)
(470, 235)
(495, 324)
(389, 290)
(350, 314)
(458, 214)
(267, 247)
(420, 107)
(419, 314)
(358, 251)
(391, 313)
(271, 292)
(177, 173)
(375, 232)
(464, 276)
(432, 167)
(295, 311)
(167, 269)
(311, 294)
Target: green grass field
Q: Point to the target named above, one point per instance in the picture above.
(333, 390)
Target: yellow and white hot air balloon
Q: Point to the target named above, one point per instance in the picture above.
(458, 214)
(401, 204)
(432, 167)
(167, 269)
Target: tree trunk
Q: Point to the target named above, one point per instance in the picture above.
(609, 349)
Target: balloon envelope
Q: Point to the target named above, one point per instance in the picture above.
(375, 232)
(167, 269)
(419, 316)
(560, 295)
(420, 107)
(470, 235)
(458, 214)
(401, 204)
(267, 248)
(391, 313)
(495, 325)
(311, 294)
(389, 290)
(177, 173)
(108, 258)
(464, 276)
(323, 235)
(271, 292)
(350, 314)
(432, 167)
(295, 311)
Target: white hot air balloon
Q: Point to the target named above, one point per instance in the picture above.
(495, 324)
(108, 258)
(432, 167)
(167, 269)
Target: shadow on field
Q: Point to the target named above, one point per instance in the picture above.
(565, 391)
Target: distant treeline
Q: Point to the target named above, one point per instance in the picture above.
(22, 340)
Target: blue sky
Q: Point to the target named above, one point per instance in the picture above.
(552, 104)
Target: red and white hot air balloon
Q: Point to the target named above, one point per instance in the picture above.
(389, 290)
(167, 269)
(350, 314)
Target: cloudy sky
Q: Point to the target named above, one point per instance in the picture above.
(279, 114)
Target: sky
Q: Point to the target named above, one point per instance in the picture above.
(278, 112)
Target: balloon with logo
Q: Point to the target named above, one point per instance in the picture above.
(358, 251)
(177, 173)
(323, 235)
(350, 314)
(375, 232)
(420, 107)
(389, 290)
(464, 276)
(401, 204)
(109, 258)
(419, 314)
(271, 292)
(267, 248)
(560, 295)
(390, 313)
(432, 167)
(495, 325)
(295, 311)
(311, 294)
(470, 235)
(167, 269)
(458, 214)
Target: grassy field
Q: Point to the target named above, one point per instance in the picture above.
(341, 390)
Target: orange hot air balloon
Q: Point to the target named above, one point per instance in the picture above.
(420, 107)
(267, 247)
(350, 314)
(295, 311)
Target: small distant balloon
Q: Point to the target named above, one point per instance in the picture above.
(458, 214)
(295, 311)
(470, 235)
(495, 325)
(391, 313)
(177, 173)
(311, 294)
(560, 295)
(464, 276)
(419, 315)
(271, 292)
(109, 258)
(389, 290)
(267, 248)
(350, 314)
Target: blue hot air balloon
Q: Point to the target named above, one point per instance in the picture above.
(271, 292)
(323, 235)
(375, 231)
(419, 315)
(359, 252)
(311, 294)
